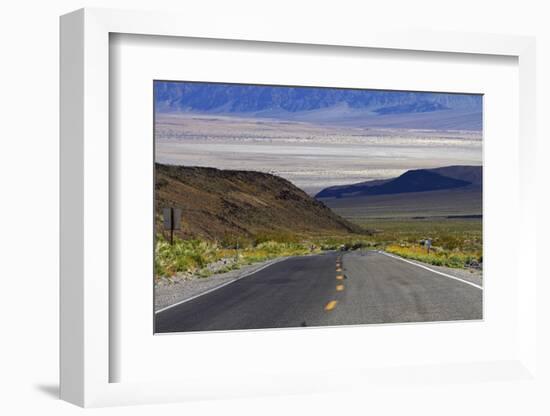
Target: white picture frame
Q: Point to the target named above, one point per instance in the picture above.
(86, 265)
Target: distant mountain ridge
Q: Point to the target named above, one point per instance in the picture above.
(177, 96)
(419, 180)
(230, 204)
(417, 107)
(356, 107)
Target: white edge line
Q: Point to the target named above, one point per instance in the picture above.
(432, 270)
(220, 286)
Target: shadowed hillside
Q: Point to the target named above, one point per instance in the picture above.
(226, 205)
(471, 174)
(451, 191)
(420, 180)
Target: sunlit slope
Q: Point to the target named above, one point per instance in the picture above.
(231, 204)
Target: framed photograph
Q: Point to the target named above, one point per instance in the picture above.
(320, 206)
(237, 207)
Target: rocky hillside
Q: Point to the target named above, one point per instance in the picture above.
(227, 205)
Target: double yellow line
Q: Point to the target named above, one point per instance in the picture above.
(339, 287)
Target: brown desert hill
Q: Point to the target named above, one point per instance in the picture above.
(231, 205)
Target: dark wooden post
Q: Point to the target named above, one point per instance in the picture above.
(172, 221)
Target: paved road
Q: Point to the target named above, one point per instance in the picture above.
(328, 289)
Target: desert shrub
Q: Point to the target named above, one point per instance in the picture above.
(193, 256)
(455, 258)
(183, 255)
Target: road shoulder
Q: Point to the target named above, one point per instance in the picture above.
(469, 275)
(167, 294)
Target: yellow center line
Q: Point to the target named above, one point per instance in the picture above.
(340, 276)
(338, 269)
(331, 305)
(339, 288)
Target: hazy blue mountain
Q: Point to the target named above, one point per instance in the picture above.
(174, 96)
(417, 107)
(419, 180)
(347, 106)
(471, 174)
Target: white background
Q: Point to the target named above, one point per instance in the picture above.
(138, 60)
(29, 163)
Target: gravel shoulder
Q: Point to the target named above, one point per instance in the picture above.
(470, 275)
(170, 292)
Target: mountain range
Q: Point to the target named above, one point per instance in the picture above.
(353, 107)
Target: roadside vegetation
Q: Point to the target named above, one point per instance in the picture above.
(202, 258)
(436, 256)
(199, 258)
(455, 242)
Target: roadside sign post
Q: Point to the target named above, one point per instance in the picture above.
(428, 244)
(172, 221)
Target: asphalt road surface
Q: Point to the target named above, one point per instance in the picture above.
(329, 289)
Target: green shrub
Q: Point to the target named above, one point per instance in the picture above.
(455, 258)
